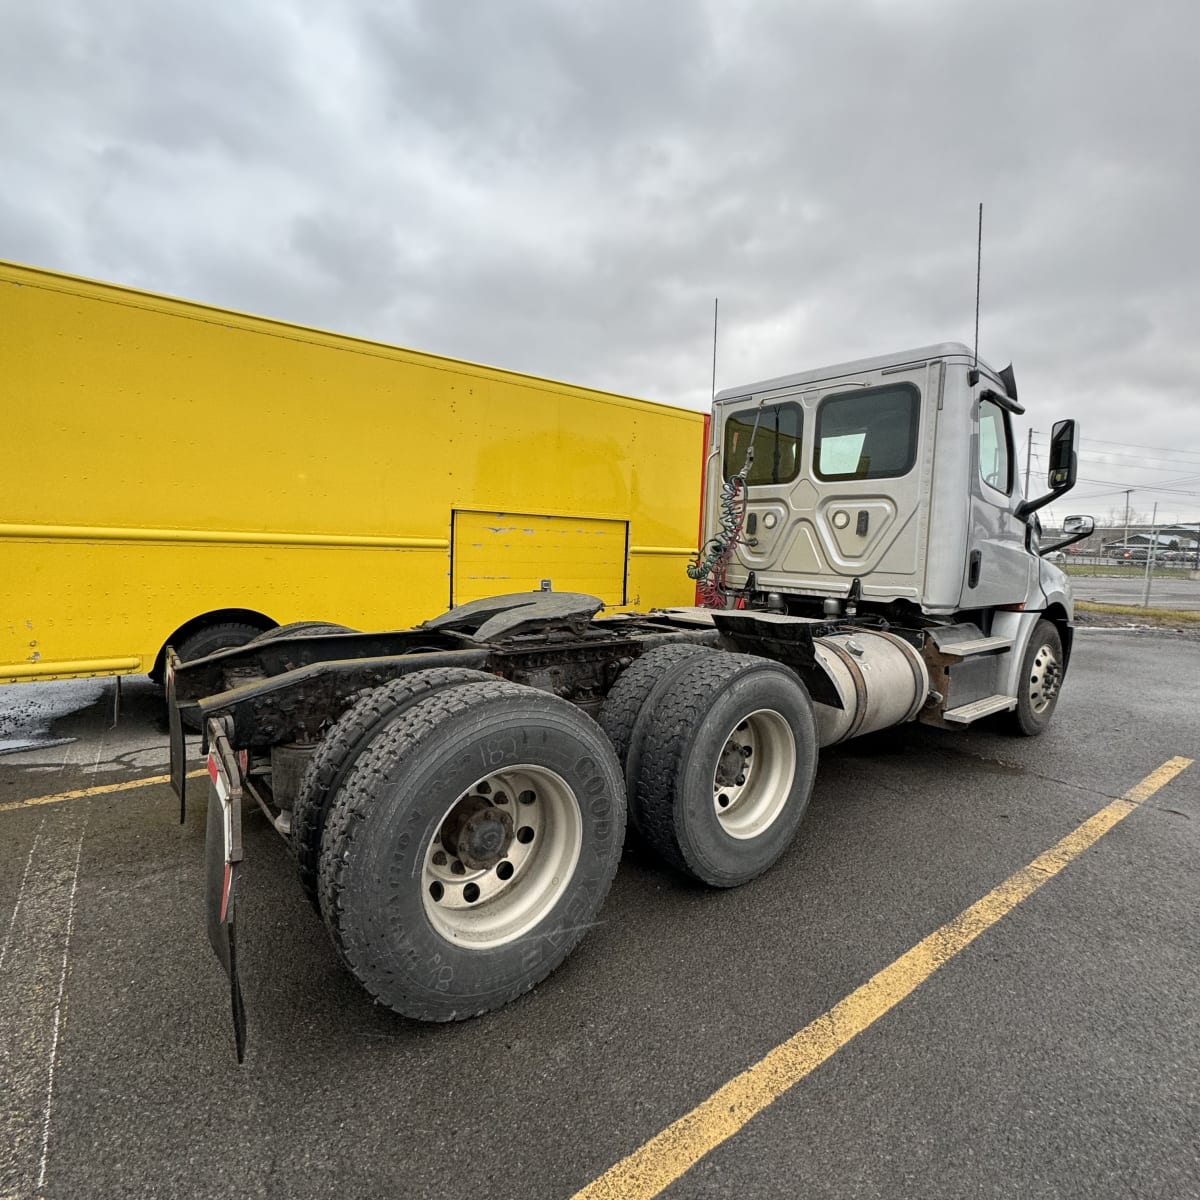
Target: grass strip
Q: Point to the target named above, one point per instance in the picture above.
(1146, 616)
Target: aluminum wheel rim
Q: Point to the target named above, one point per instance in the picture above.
(1044, 678)
(494, 906)
(767, 749)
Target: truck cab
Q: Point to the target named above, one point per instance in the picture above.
(887, 488)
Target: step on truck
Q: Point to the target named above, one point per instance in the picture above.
(456, 796)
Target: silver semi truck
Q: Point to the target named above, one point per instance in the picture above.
(456, 796)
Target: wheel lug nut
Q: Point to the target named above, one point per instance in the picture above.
(457, 868)
(740, 780)
(439, 858)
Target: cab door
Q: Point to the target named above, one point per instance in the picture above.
(998, 566)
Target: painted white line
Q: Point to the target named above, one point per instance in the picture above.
(12, 920)
(59, 1010)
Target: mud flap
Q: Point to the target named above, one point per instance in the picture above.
(222, 862)
(175, 740)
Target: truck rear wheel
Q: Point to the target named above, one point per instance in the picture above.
(727, 768)
(371, 712)
(470, 847)
(1038, 683)
(638, 686)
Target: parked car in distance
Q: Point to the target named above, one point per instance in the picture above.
(1126, 551)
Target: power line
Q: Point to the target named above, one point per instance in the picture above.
(1130, 446)
(1141, 487)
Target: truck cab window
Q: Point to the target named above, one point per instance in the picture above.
(995, 447)
(869, 434)
(776, 443)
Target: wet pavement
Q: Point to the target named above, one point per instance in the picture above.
(1057, 1055)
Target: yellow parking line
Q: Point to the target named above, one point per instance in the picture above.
(99, 790)
(665, 1157)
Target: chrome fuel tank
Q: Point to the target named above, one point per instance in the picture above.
(880, 679)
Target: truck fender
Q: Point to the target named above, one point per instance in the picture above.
(1020, 626)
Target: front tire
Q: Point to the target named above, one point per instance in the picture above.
(469, 849)
(1039, 683)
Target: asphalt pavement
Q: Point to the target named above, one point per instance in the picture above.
(1058, 1054)
(1165, 591)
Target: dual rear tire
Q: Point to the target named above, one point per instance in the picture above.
(469, 845)
(459, 833)
(719, 757)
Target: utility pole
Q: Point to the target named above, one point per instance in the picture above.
(1028, 456)
(1127, 494)
(1150, 555)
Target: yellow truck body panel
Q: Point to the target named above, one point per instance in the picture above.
(166, 461)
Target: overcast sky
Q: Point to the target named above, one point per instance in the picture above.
(564, 187)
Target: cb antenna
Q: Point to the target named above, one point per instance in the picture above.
(716, 302)
(973, 378)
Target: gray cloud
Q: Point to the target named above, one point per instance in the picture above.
(563, 189)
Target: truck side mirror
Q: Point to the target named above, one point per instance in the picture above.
(1062, 456)
(1061, 477)
(1075, 529)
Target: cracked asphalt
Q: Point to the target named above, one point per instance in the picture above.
(1058, 1055)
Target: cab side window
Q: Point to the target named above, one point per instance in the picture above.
(995, 447)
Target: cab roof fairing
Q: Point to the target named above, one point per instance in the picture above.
(944, 351)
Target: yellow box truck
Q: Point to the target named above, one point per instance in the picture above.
(176, 473)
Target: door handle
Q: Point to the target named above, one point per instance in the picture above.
(864, 520)
(975, 562)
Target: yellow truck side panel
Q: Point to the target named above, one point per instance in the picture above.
(165, 460)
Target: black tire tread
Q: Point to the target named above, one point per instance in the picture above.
(667, 742)
(367, 712)
(206, 633)
(363, 789)
(621, 707)
(301, 629)
(666, 736)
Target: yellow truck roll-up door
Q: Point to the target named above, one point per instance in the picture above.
(496, 552)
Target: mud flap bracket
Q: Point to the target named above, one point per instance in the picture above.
(222, 862)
